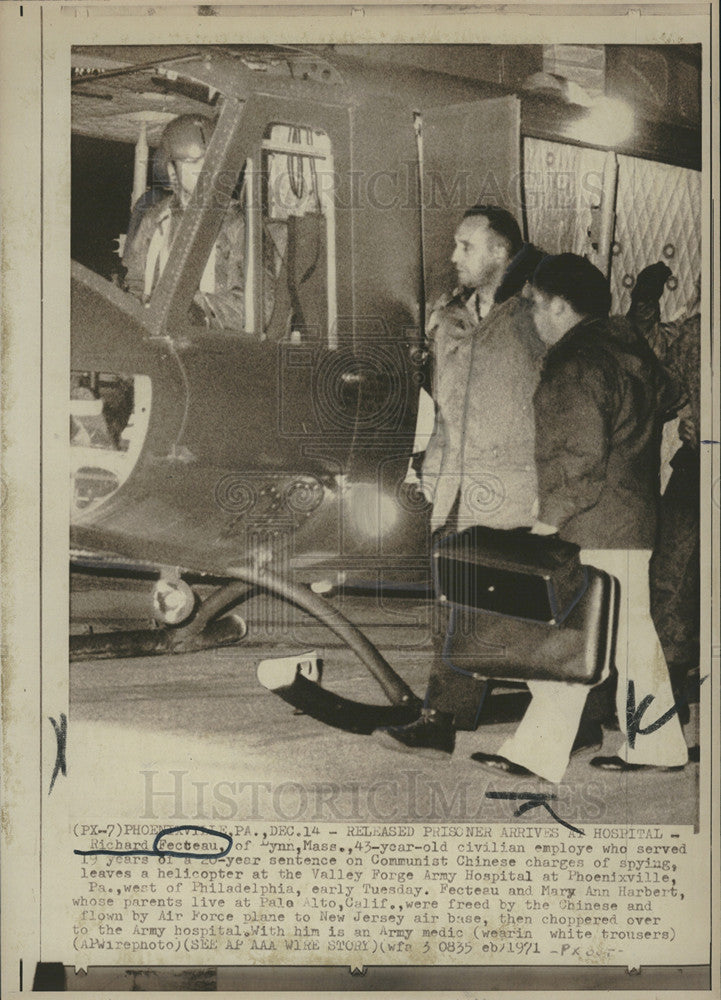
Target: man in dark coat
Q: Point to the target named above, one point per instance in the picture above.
(675, 564)
(675, 572)
(600, 406)
(479, 466)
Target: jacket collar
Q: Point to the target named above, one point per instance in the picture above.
(519, 271)
(588, 325)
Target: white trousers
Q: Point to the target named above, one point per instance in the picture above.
(544, 737)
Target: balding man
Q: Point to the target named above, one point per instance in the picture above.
(479, 465)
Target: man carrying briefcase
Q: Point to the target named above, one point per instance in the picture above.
(479, 466)
(599, 408)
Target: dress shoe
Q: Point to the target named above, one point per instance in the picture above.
(499, 763)
(432, 733)
(589, 737)
(619, 764)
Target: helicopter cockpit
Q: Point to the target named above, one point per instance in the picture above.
(273, 249)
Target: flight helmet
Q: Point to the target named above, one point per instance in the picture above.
(186, 138)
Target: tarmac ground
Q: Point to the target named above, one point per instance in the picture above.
(196, 737)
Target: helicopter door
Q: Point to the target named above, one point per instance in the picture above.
(469, 154)
(466, 153)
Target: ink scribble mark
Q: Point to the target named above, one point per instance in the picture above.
(158, 852)
(634, 714)
(533, 799)
(61, 737)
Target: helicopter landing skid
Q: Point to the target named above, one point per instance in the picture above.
(206, 630)
(334, 710)
(215, 624)
(225, 631)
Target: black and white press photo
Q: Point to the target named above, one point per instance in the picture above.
(376, 500)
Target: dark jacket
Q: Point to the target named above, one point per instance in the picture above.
(682, 362)
(600, 406)
(485, 374)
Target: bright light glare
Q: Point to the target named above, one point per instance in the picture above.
(609, 122)
(371, 511)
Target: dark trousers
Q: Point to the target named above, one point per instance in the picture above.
(451, 691)
(674, 570)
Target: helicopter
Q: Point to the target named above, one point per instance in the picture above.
(209, 464)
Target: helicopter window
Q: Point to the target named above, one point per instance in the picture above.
(109, 416)
(297, 234)
(223, 299)
(219, 301)
(271, 272)
(101, 180)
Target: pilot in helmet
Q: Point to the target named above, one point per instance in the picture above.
(183, 146)
(219, 300)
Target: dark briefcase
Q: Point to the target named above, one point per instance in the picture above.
(535, 577)
(487, 645)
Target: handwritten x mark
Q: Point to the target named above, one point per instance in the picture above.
(634, 714)
(533, 799)
(61, 735)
